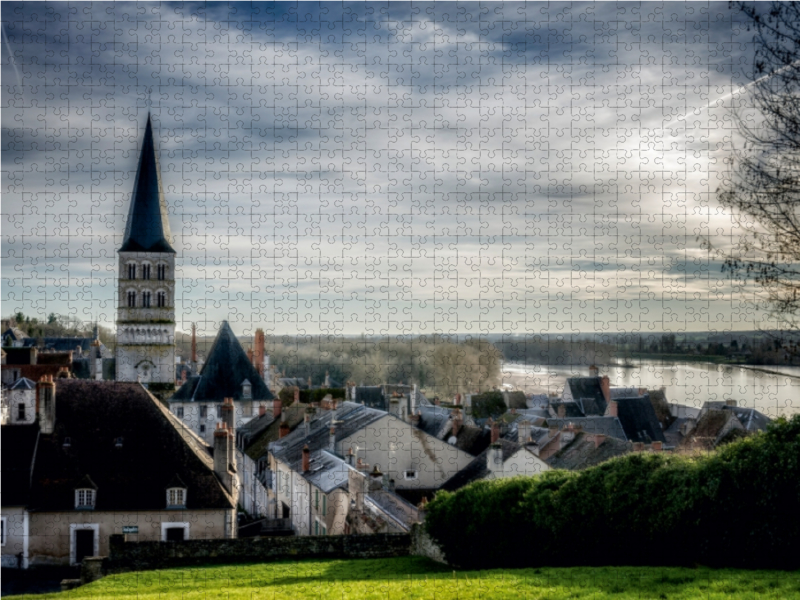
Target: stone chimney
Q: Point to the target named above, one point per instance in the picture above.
(351, 457)
(524, 431)
(562, 411)
(599, 438)
(494, 458)
(414, 400)
(296, 395)
(394, 406)
(222, 457)
(327, 383)
(228, 415)
(258, 352)
(605, 386)
(283, 430)
(594, 371)
(306, 459)
(495, 431)
(358, 484)
(375, 479)
(415, 418)
(332, 440)
(613, 409)
(47, 398)
(277, 408)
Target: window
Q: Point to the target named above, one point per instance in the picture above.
(131, 299)
(161, 299)
(179, 412)
(323, 530)
(145, 271)
(84, 498)
(203, 411)
(202, 428)
(316, 500)
(21, 411)
(176, 498)
(3, 531)
(324, 505)
(409, 475)
(131, 271)
(145, 299)
(162, 272)
(316, 527)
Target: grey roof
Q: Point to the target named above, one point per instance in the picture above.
(588, 387)
(23, 383)
(581, 453)
(350, 417)
(371, 396)
(570, 407)
(750, 418)
(609, 426)
(224, 371)
(538, 401)
(398, 509)
(327, 473)
(147, 228)
(15, 333)
(624, 392)
(65, 344)
(432, 418)
(639, 420)
(297, 382)
(477, 469)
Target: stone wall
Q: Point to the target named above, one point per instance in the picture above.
(138, 556)
(422, 544)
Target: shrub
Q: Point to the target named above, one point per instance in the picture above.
(488, 404)
(737, 507)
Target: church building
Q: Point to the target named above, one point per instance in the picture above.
(146, 284)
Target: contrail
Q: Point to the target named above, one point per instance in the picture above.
(11, 58)
(741, 89)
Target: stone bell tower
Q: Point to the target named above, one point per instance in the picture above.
(146, 279)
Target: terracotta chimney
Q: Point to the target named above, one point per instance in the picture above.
(613, 409)
(283, 430)
(262, 410)
(277, 408)
(524, 431)
(194, 344)
(350, 456)
(306, 459)
(47, 397)
(605, 386)
(457, 420)
(599, 438)
(495, 432)
(250, 357)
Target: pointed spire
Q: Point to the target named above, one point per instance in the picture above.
(147, 229)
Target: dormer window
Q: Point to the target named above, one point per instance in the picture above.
(85, 498)
(176, 497)
(247, 389)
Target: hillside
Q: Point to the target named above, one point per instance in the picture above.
(420, 578)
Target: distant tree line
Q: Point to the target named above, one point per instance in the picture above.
(56, 325)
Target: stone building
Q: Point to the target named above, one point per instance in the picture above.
(146, 282)
(107, 458)
(226, 373)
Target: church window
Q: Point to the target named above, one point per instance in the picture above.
(162, 272)
(84, 498)
(161, 299)
(145, 271)
(131, 299)
(145, 299)
(131, 271)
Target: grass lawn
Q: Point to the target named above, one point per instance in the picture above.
(416, 578)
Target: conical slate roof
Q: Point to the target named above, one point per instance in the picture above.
(224, 371)
(147, 229)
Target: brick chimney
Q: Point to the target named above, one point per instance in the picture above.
(495, 432)
(47, 398)
(613, 409)
(250, 357)
(306, 459)
(350, 456)
(638, 446)
(523, 431)
(605, 386)
(277, 408)
(594, 371)
(222, 457)
(283, 430)
(599, 438)
(656, 446)
(262, 410)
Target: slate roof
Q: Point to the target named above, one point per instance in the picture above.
(15, 333)
(609, 426)
(327, 473)
(432, 418)
(23, 383)
(396, 508)
(472, 440)
(65, 344)
(293, 416)
(371, 396)
(571, 408)
(350, 417)
(253, 429)
(588, 387)
(147, 227)
(477, 469)
(582, 454)
(155, 448)
(17, 448)
(638, 418)
(226, 367)
(538, 401)
(750, 418)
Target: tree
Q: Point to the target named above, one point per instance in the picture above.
(763, 191)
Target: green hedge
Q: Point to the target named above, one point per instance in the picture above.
(308, 396)
(738, 507)
(488, 404)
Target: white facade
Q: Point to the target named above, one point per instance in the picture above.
(20, 406)
(201, 417)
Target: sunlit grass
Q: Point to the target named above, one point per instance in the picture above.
(418, 578)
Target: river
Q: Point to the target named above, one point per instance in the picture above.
(774, 393)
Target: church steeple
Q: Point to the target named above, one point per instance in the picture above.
(147, 229)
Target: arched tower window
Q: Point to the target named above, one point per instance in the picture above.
(145, 299)
(162, 272)
(131, 271)
(161, 299)
(131, 299)
(145, 271)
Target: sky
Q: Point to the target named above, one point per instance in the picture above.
(380, 168)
